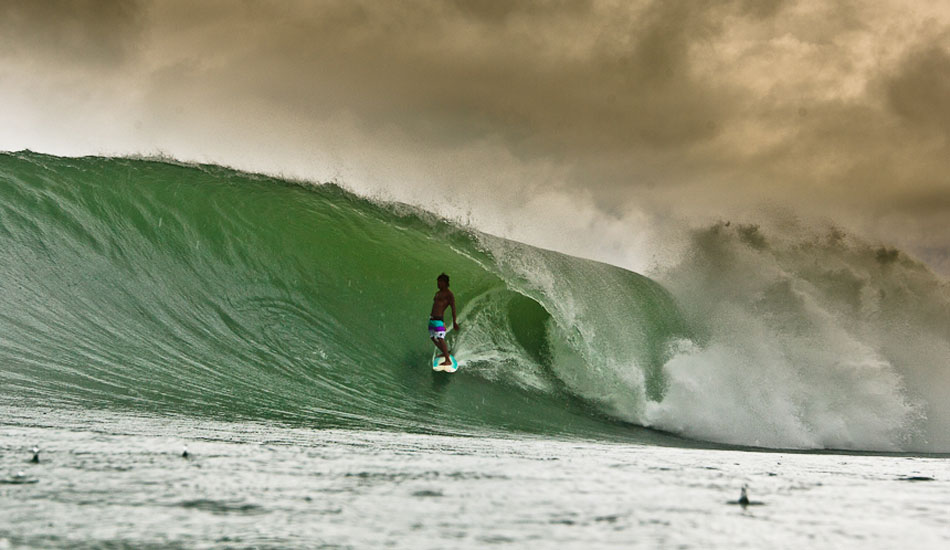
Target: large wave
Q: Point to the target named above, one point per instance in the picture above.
(197, 289)
(157, 286)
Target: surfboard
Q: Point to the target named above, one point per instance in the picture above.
(437, 366)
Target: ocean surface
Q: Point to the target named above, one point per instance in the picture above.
(277, 330)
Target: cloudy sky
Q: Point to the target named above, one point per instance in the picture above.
(593, 127)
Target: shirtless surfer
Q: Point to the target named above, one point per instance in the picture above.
(443, 299)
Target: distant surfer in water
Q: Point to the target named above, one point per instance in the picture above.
(443, 299)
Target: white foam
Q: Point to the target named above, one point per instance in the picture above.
(817, 341)
(807, 340)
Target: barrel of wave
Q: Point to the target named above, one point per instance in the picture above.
(610, 330)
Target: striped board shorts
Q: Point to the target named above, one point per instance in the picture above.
(436, 329)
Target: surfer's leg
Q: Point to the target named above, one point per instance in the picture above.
(437, 334)
(440, 343)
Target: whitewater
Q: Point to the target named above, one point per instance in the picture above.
(278, 327)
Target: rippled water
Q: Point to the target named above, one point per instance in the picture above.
(120, 481)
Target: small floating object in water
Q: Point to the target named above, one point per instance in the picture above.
(18, 478)
(428, 493)
(744, 499)
(184, 452)
(36, 455)
(916, 478)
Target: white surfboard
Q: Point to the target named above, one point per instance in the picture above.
(438, 366)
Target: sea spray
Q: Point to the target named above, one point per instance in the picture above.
(808, 339)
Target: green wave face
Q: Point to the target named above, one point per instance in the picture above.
(152, 286)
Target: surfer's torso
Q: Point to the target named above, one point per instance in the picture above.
(441, 301)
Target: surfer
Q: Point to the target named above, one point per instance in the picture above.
(443, 299)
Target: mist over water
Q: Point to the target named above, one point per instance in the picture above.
(143, 285)
(808, 338)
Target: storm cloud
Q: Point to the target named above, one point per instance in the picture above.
(595, 118)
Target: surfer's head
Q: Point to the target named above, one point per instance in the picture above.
(443, 281)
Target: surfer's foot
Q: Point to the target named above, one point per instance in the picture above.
(447, 363)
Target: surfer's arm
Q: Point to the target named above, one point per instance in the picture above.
(455, 323)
